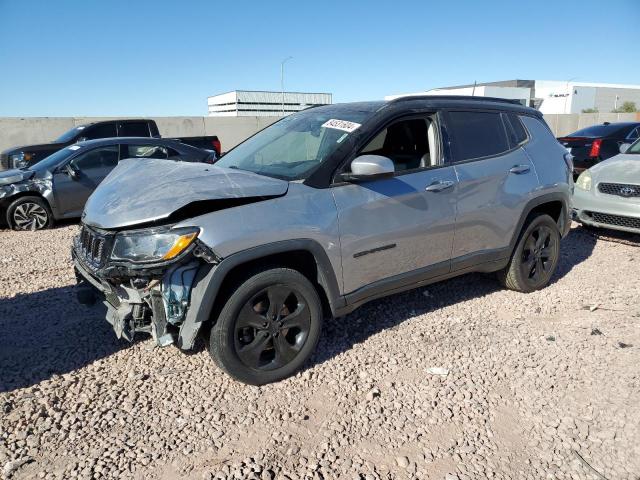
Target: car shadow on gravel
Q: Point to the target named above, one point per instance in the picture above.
(342, 334)
(48, 333)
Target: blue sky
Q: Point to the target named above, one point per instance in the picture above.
(144, 57)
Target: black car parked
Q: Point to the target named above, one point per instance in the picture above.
(57, 187)
(25, 156)
(598, 142)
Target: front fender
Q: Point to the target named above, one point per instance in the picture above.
(209, 279)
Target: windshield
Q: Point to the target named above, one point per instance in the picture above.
(597, 131)
(54, 159)
(634, 148)
(69, 135)
(293, 147)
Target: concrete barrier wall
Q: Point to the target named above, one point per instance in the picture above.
(16, 131)
(564, 124)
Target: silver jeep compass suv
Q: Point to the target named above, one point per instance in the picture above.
(317, 214)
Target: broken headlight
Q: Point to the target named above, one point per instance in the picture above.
(152, 245)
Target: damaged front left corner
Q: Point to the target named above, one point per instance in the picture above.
(153, 301)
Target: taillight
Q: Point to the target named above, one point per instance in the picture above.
(595, 148)
(217, 145)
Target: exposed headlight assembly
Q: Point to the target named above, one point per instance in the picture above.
(152, 245)
(20, 160)
(584, 181)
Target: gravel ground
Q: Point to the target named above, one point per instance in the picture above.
(535, 386)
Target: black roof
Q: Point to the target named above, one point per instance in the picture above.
(448, 101)
(122, 120)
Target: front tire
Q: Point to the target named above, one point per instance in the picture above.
(29, 213)
(535, 258)
(268, 327)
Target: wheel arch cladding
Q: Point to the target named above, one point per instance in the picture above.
(553, 204)
(211, 285)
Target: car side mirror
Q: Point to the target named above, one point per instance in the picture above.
(369, 167)
(624, 147)
(72, 171)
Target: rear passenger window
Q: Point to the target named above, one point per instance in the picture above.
(515, 131)
(477, 134)
(133, 129)
(144, 151)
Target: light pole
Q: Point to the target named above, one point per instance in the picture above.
(282, 80)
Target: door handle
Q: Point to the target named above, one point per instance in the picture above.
(440, 185)
(519, 169)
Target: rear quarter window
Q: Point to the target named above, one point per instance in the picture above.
(476, 134)
(515, 130)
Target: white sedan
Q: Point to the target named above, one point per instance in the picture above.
(608, 194)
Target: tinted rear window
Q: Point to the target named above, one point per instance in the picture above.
(598, 131)
(477, 134)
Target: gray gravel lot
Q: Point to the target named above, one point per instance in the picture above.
(544, 385)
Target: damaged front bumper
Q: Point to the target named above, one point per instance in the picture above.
(155, 299)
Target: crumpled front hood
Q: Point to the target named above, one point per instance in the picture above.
(15, 175)
(623, 168)
(140, 191)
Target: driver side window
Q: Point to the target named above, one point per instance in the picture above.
(410, 144)
(100, 157)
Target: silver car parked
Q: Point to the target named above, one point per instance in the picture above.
(317, 214)
(608, 194)
(57, 187)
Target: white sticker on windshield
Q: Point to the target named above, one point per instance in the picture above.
(344, 125)
(74, 147)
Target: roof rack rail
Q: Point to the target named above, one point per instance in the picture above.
(455, 97)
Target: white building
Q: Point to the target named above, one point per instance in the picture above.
(550, 96)
(243, 103)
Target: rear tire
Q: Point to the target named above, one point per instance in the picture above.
(535, 258)
(29, 213)
(268, 327)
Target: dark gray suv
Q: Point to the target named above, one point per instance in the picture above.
(57, 187)
(317, 214)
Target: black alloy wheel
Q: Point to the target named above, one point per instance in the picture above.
(535, 257)
(268, 327)
(272, 327)
(538, 254)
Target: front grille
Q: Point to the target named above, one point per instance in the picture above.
(617, 220)
(93, 246)
(621, 189)
(4, 161)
